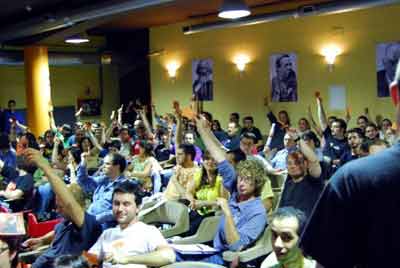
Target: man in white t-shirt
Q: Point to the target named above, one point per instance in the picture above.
(132, 243)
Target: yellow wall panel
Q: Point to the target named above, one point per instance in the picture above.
(355, 68)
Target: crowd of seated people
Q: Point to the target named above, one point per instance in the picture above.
(95, 177)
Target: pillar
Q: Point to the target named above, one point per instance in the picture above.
(37, 81)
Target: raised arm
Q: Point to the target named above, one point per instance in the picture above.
(146, 123)
(52, 122)
(178, 134)
(93, 139)
(71, 207)
(119, 118)
(103, 133)
(21, 126)
(313, 123)
(54, 154)
(78, 114)
(156, 117)
(88, 183)
(210, 141)
(321, 114)
(270, 115)
(314, 167)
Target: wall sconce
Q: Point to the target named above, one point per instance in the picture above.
(330, 53)
(172, 68)
(241, 61)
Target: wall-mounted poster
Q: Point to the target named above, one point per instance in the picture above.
(283, 77)
(387, 56)
(90, 107)
(202, 79)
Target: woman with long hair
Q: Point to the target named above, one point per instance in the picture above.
(141, 166)
(203, 192)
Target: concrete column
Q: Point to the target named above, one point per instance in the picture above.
(37, 81)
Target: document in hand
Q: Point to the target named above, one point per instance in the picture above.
(12, 224)
(194, 249)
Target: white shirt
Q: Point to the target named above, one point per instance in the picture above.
(136, 239)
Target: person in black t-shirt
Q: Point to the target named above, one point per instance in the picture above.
(77, 232)
(355, 138)
(248, 126)
(19, 190)
(302, 186)
(335, 141)
(355, 221)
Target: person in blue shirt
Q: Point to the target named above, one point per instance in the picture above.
(7, 153)
(244, 217)
(279, 161)
(12, 116)
(77, 137)
(77, 232)
(102, 186)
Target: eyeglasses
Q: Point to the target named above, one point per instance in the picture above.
(246, 179)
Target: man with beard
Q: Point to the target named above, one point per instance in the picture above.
(355, 138)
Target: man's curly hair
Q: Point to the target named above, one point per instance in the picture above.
(253, 170)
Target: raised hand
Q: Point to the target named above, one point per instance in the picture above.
(35, 156)
(120, 109)
(112, 117)
(201, 122)
(79, 112)
(84, 158)
(177, 108)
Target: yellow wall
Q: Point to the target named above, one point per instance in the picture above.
(67, 84)
(355, 69)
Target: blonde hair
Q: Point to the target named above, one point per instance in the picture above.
(253, 170)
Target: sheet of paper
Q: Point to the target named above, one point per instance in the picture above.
(337, 97)
(12, 224)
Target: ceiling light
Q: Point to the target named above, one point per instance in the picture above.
(233, 9)
(77, 39)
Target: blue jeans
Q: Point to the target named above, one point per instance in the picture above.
(44, 199)
(156, 178)
(166, 174)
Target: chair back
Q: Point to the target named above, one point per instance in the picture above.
(38, 229)
(171, 212)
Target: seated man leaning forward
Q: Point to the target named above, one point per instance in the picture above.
(287, 224)
(132, 243)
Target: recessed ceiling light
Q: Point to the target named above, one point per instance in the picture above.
(233, 9)
(77, 39)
